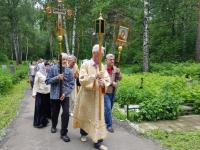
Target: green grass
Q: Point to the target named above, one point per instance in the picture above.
(117, 113)
(10, 103)
(177, 140)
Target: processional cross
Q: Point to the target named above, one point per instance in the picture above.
(59, 11)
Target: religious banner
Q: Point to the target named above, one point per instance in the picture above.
(123, 34)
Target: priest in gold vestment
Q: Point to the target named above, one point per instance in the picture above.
(89, 105)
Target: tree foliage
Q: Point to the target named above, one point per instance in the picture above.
(172, 28)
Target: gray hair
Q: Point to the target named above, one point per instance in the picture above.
(72, 57)
(96, 48)
(109, 56)
(64, 55)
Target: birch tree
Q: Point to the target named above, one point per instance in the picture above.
(146, 36)
(74, 30)
(198, 37)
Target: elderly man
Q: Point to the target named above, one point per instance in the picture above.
(89, 105)
(57, 100)
(115, 76)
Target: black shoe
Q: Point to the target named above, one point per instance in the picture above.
(53, 130)
(40, 126)
(110, 130)
(65, 138)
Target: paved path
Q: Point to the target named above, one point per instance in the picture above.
(183, 123)
(23, 136)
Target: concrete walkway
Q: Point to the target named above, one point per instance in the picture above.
(183, 123)
(23, 136)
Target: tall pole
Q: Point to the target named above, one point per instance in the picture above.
(59, 26)
(100, 26)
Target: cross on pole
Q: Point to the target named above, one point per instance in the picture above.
(59, 11)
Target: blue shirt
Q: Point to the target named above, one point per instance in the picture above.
(68, 82)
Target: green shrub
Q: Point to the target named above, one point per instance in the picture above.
(5, 83)
(21, 73)
(7, 80)
(177, 69)
(3, 58)
(164, 107)
(158, 96)
(117, 113)
(132, 90)
(134, 116)
(159, 109)
(166, 69)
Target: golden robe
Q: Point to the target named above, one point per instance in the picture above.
(86, 109)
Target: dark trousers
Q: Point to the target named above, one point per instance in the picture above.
(55, 109)
(47, 106)
(41, 109)
(96, 145)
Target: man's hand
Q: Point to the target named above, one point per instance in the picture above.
(101, 82)
(117, 70)
(60, 77)
(62, 97)
(114, 84)
(76, 74)
(99, 75)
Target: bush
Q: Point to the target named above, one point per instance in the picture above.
(132, 90)
(7, 80)
(177, 69)
(165, 107)
(5, 83)
(166, 69)
(21, 73)
(3, 58)
(158, 96)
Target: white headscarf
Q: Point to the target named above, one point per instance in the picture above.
(42, 70)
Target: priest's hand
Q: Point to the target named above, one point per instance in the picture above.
(99, 75)
(101, 83)
(62, 97)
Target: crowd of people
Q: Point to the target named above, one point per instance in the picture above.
(87, 95)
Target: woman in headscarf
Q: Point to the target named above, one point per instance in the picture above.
(41, 93)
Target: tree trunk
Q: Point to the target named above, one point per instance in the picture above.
(198, 38)
(74, 31)
(146, 37)
(26, 48)
(15, 40)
